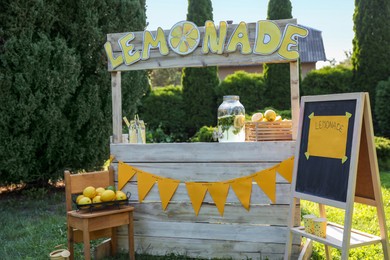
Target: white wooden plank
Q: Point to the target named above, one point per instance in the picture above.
(208, 172)
(116, 90)
(294, 90)
(257, 196)
(207, 231)
(204, 152)
(206, 248)
(233, 214)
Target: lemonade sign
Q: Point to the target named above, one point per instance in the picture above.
(210, 43)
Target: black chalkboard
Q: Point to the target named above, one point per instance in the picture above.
(321, 176)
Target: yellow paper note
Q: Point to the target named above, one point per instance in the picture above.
(285, 169)
(328, 136)
(196, 192)
(219, 192)
(166, 187)
(125, 173)
(266, 180)
(242, 187)
(145, 184)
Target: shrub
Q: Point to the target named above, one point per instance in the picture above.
(327, 80)
(162, 111)
(382, 109)
(205, 134)
(382, 146)
(249, 86)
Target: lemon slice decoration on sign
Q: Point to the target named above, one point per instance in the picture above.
(184, 37)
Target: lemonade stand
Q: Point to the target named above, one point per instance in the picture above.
(227, 199)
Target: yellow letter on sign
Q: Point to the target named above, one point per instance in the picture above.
(290, 37)
(267, 37)
(129, 53)
(211, 41)
(240, 37)
(328, 136)
(157, 42)
(115, 62)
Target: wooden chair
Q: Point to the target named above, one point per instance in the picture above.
(85, 225)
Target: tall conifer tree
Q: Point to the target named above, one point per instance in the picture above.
(199, 83)
(55, 97)
(371, 46)
(277, 76)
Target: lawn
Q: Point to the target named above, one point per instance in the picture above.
(33, 224)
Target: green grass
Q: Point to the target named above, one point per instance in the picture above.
(33, 224)
(364, 219)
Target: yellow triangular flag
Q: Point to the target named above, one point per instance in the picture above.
(219, 192)
(242, 187)
(286, 169)
(267, 182)
(125, 173)
(145, 184)
(196, 192)
(166, 187)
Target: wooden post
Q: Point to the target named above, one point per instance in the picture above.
(116, 106)
(294, 85)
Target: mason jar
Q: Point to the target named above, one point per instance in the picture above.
(231, 120)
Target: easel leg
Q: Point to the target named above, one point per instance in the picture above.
(328, 253)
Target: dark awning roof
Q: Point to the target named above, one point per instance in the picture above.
(311, 48)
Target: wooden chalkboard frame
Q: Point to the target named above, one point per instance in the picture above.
(363, 182)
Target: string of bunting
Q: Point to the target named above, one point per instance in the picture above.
(242, 186)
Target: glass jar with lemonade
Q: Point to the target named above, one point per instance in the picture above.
(231, 120)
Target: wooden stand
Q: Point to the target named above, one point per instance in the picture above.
(361, 177)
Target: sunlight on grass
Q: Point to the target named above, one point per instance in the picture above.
(364, 219)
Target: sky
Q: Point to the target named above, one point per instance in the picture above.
(333, 17)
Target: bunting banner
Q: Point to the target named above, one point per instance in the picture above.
(127, 172)
(166, 187)
(242, 186)
(196, 192)
(218, 192)
(266, 180)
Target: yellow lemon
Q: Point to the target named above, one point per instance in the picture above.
(84, 201)
(79, 198)
(239, 121)
(257, 117)
(89, 192)
(270, 115)
(97, 199)
(120, 195)
(184, 37)
(278, 118)
(264, 119)
(100, 190)
(108, 195)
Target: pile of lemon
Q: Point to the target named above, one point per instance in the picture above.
(268, 116)
(97, 195)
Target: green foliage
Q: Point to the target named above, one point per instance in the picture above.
(327, 80)
(371, 51)
(56, 98)
(199, 83)
(249, 86)
(382, 108)
(382, 146)
(277, 76)
(165, 77)
(205, 134)
(162, 110)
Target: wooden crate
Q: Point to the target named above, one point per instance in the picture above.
(268, 131)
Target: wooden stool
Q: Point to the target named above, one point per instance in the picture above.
(84, 226)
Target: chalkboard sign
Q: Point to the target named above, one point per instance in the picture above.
(325, 156)
(335, 164)
(329, 130)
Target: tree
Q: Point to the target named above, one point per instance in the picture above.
(371, 47)
(199, 83)
(56, 100)
(277, 76)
